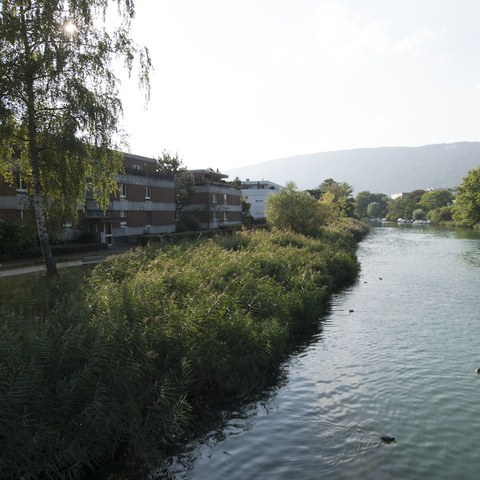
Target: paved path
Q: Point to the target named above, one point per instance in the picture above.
(88, 259)
(41, 268)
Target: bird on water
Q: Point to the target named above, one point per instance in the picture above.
(387, 439)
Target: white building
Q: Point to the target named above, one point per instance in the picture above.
(256, 193)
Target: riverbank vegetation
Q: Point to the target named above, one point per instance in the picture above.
(127, 357)
(435, 206)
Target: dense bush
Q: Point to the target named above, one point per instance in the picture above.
(440, 215)
(124, 361)
(188, 223)
(87, 237)
(15, 237)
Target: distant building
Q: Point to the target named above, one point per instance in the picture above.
(256, 193)
(453, 191)
(394, 196)
(214, 202)
(407, 194)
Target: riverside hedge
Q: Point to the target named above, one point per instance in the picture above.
(122, 361)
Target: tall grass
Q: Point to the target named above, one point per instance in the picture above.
(122, 360)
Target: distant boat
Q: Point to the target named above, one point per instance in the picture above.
(421, 222)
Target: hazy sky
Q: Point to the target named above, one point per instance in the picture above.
(238, 82)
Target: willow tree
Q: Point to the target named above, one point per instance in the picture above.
(59, 100)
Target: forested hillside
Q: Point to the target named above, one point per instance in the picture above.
(386, 169)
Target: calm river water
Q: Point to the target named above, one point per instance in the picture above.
(401, 364)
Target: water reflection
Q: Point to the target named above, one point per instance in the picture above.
(230, 422)
(466, 233)
(471, 258)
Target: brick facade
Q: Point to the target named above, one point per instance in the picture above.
(127, 216)
(145, 203)
(214, 202)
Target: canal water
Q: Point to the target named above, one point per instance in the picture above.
(402, 364)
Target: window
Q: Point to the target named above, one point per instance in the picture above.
(138, 167)
(225, 198)
(21, 186)
(148, 193)
(123, 190)
(123, 218)
(214, 198)
(148, 218)
(225, 217)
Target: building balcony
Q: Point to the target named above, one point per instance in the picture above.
(147, 173)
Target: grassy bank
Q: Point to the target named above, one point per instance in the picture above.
(123, 360)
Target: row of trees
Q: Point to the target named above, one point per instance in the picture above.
(438, 206)
(306, 211)
(421, 205)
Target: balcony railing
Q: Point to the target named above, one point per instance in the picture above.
(147, 173)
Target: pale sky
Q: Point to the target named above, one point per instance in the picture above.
(238, 82)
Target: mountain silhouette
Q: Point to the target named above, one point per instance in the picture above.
(379, 170)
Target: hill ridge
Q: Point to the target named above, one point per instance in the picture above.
(377, 169)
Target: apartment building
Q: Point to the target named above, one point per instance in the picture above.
(13, 199)
(145, 203)
(256, 193)
(214, 202)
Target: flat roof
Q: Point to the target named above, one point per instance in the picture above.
(132, 156)
(209, 171)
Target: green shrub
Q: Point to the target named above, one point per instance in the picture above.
(15, 237)
(188, 223)
(87, 237)
(440, 215)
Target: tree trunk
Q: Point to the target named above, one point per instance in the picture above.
(38, 206)
(48, 259)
